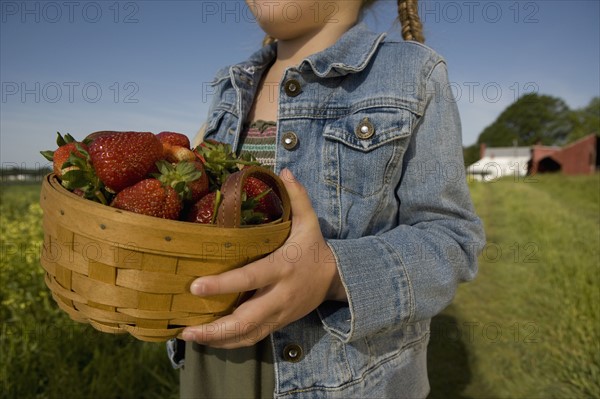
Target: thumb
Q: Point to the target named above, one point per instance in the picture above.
(299, 200)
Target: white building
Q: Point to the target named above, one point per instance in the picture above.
(500, 162)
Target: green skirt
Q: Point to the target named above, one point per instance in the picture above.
(228, 373)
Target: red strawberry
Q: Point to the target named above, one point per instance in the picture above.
(122, 159)
(72, 164)
(261, 204)
(174, 138)
(66, 146)
(199, 187)
(205, 210)
(61, 155)
(150, 197)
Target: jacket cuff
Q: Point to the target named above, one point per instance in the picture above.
(379, 291)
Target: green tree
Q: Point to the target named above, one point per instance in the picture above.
(471, 154)
(532, 119)
(585, 120)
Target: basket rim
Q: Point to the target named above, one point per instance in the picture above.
(142, 233)
(111, 212)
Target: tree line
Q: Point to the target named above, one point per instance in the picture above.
(537, 119)
(10, 173)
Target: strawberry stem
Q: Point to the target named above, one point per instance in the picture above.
(101, 197)
(218, 199)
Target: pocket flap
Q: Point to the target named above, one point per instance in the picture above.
(387, 124)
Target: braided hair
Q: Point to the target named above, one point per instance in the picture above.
(408, 15)
(412, 28)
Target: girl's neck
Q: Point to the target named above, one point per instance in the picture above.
(291, 52)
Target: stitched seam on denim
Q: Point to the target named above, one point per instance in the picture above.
(397, 354)
(344, 337)
(215, 121)
(347, 363)
(435, 65)
(387, 172)
(338, 193)
(293, 111)
(370, 148)
(225, 107)
(411, 296)
(238, 107)
(361, 65)
(275, 364)
(382, 199)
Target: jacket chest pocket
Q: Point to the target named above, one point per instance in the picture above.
(362, 150)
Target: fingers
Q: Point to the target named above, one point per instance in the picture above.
(265, 271)
(228, 333)
(247, 325)
(301, 204)
(275, 278)
(253, 276)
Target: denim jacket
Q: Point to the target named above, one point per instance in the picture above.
(370, 128)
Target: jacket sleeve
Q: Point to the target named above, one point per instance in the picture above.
(411, 272)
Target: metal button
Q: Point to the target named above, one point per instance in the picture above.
(292, 87)
(364, 130)
(289, 140)
(292, 353)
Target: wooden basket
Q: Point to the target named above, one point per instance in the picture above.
(123, 272)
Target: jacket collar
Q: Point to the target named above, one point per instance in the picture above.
(351, 53)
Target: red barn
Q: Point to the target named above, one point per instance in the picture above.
(541, 159)
(579, 157)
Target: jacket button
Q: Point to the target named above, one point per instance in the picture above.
(292, 87)
(292, 353)
(289, 140)
(364, 130)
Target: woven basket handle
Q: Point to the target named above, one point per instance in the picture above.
(230, 212)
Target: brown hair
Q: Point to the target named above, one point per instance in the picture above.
(408, 15)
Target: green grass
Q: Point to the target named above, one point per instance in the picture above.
(527, 327)
(45, 354)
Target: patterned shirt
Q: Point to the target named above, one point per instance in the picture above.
(259, 140)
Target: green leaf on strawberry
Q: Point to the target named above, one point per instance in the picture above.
(79, 174)
(187, 178)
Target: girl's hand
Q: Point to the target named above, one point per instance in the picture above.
(289, 284)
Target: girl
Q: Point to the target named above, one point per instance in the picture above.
(368, 144)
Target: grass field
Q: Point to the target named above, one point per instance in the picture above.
(527, 327)
(45, 354)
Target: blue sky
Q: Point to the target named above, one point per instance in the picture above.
(82, 66)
